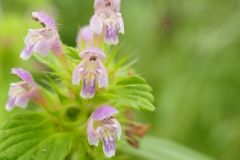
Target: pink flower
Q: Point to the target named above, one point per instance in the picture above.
(42, 40)
(103, 126)
(20, 93)
(85, 37)
(91, 71)
(107, 20)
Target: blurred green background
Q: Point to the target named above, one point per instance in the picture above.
(188, 51)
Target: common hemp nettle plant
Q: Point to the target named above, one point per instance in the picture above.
(78, 106)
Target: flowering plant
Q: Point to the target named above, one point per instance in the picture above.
(81, 98)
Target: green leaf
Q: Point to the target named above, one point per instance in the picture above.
(55, 148)
(32, 136)
(50, 61)
(152, 148)
(131, 80)
(134, 92)
(72, 53)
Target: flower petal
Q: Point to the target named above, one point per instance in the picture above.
(42, 40)
(22, 100)
(103, 78)
(121, 23)
(116, 5)
(96, 24)
(85, 36)
(57, 45)
(77, 74)
(43, 47)
(27, 52)
(92, 135)
(45, 41)
(89, 52)
(112, 4)
(39, 41)
(109, 148)
(11, 103)
(89, 87)
(32, 37)
(118, 128)
(44, 18)
(104, 112)
(111, 35)
(24, 75)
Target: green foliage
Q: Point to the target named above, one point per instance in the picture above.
(133, 91)
(153, 148)
(56, 147)
(32, 136)
(189, 53)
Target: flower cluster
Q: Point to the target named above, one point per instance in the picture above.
(91, 73)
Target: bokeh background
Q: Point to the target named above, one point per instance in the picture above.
(188, 51)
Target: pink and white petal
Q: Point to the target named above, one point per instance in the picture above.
(45, 19)
(87, 53)
(103, 4)
(22, 100)
(27, 52)
(31, 33)
(29, 45)
(116, 2)
(103, 79)
(35, 34)
(23, 74)
(121, 23)
(44, 46)
(111, 36)
(85, 37)
(112, 40)
(96, 24)
(57, 46)
(118, 128)
(11, 103)
(104, 112)
(87, 34)
(76, 77)
(88, 88)
(109, 148)
(116, 5)
(92, 135)
(99, 4)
